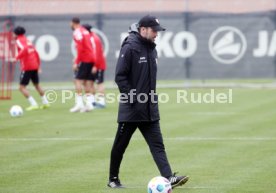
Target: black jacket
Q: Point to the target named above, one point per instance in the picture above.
(136, 69)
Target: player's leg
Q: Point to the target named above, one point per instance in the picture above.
(101, 89)
(89, 88)
(92, 77)
(35, 80)
(123, 136)
(24, 81)
(152, 134)
(78, 86)
(79, 105)
(24, 91)
(79, 81)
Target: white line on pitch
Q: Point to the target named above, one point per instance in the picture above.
(221, 139)
(214, 113)
(138, 139)
(195, 187)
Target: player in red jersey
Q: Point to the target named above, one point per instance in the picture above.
(84, 67)
(30, 67)
(101, 66)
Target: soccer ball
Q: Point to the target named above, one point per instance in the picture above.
(16, 111)
(159, 185)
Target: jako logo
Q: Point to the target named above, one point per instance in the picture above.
(227, 44)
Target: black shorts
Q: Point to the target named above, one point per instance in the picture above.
(100, 76)
(26, 76)
(84, 72)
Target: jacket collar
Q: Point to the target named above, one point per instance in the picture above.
(135, 37)
(145, 41)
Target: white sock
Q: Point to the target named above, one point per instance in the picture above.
(101, 100)
(79, 100)
(90, 99)
(44, 100)
(32, 101)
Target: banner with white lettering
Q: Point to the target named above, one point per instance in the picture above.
(194, 45)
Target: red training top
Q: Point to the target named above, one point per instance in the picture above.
(85, 51)
(97, 46)
(27, 54)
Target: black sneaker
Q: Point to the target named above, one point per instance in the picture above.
(178, 180)
(115, 183)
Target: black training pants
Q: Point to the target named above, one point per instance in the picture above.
(152, 134)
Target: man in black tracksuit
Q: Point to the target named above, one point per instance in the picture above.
(136, 78)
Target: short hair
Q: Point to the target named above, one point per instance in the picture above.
(76, 20)
(19, 30)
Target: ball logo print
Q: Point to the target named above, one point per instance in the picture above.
(16, 111)
(159, 184)
(227, 44)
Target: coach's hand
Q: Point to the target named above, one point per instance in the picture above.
(39, 71)
(94, 70)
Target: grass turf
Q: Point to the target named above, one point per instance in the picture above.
(224, 148)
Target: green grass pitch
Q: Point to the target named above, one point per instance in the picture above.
(224, 148)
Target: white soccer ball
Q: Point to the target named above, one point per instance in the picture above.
(16, 111)
(159, 185)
